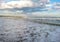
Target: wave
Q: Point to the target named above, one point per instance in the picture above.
(49, 21)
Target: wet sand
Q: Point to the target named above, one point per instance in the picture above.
(21, 30)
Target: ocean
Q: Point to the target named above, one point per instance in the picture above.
(22, 30)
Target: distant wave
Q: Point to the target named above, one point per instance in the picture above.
(46, 21)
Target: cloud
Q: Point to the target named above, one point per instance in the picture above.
(56, 5)
(45, 0)
(46, 14)
(17, 4)
(25, 3)
(22, 3)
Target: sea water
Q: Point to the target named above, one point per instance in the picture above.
(21, 30)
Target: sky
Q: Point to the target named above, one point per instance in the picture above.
(55, 0)
(32, 5)
(35, 0)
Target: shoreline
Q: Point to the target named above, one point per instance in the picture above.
(13, 15)
(48, 21)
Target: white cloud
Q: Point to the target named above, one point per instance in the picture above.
(56, 5)
(22, 3)
(4, 5)
(46, 14)
(45, 0)
(17, 4)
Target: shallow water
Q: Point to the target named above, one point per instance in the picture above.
(21, 30)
